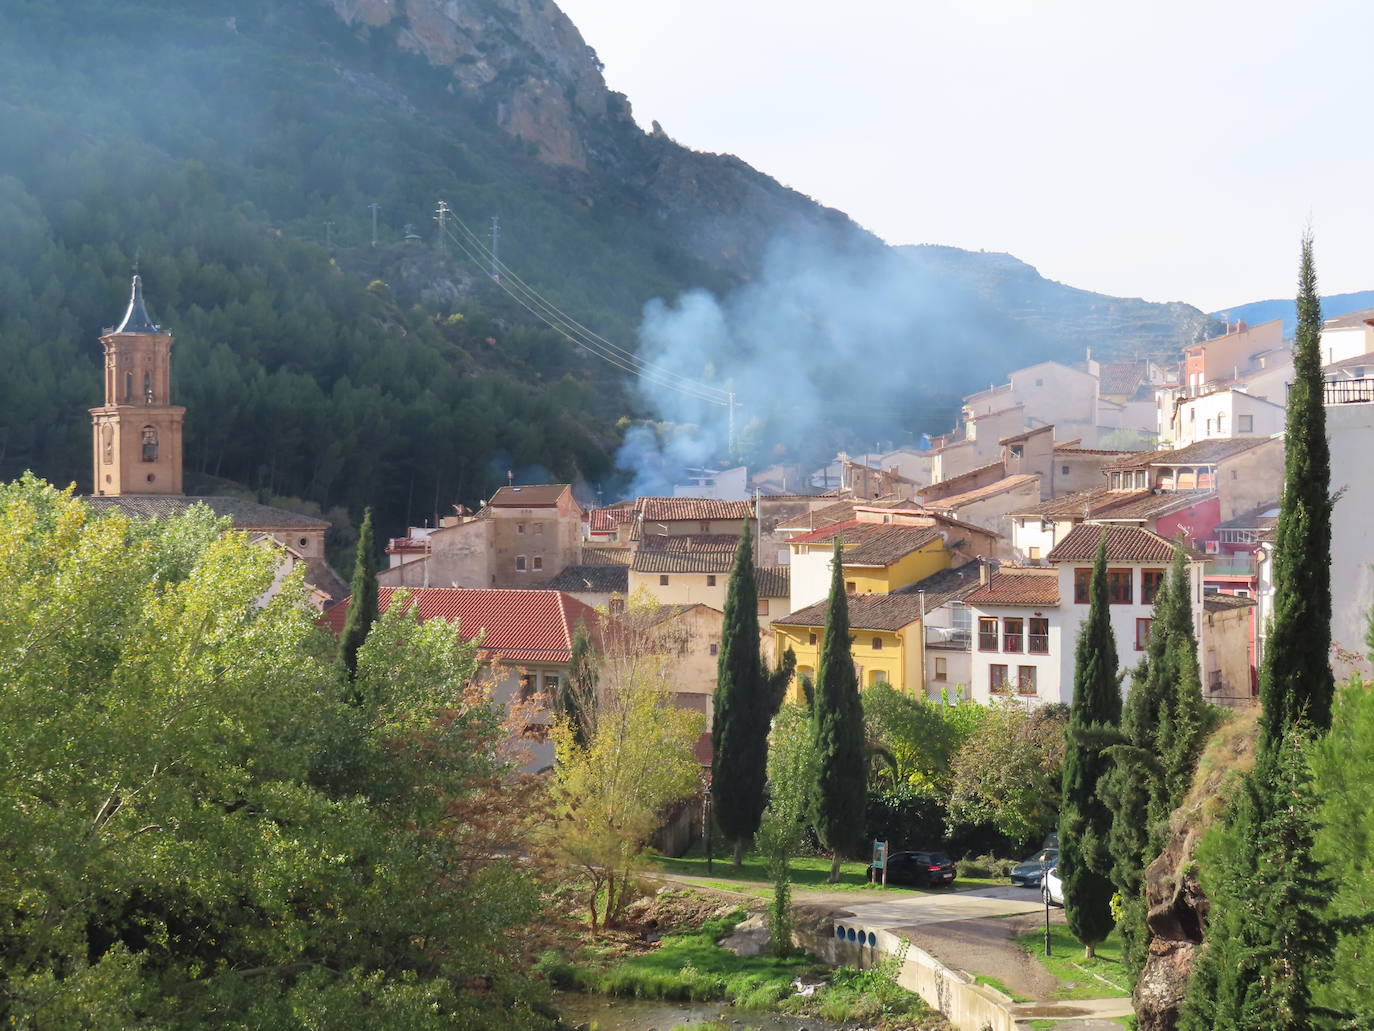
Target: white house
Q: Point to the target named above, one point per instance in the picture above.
(1350, 430)
(1018, 638)
(1347, 336)
(1220, 415)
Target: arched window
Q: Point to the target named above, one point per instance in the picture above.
(107, 443)
(147, 388)
(128, 388)
(150, 443)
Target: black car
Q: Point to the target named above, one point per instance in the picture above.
(921, 869)
(1028, 874)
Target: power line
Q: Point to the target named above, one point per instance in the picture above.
(562, 323)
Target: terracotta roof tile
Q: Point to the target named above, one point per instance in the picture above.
(1102, 503)
(1124, 544)
(872, 544)
(652, 560)
(773, 581)
(1351, 320)
(607, 520)
(592, 580)
(1226, 602)
(968, 497)
(1019, 585)
(519, 626)
(533, 495)
(945, 586)
(1203, 452)
(1121, 377)
(666, 510)
(866, 612)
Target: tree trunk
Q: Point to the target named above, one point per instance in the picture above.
(1090, 951)
(835, 862)
(739, 853)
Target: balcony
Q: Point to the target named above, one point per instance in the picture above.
(1348, 391)
(1038, 644)
(1011, 642)
(1230, 565)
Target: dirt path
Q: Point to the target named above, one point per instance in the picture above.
(987, 947)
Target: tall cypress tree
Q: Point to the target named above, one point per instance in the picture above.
(742, 710)
(1084, 820)
(838, 725)
(1266, 942)
(1295, 678)
(1183, 719)
(362, 606)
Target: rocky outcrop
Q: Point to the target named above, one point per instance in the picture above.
(1177, 905)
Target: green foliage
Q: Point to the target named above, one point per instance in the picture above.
(739, 732)
(1295, 677)
(1008, 775)
(362, 606)
(921, 735)
(194, 823)
(838, 729)
(1343, 770)
(577, 691)
(782, 832)
(1084, 819)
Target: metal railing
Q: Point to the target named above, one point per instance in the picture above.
(1038, 644)
(1343, 391)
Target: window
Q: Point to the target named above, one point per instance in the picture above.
(705, 525)
(763, 606)
(1142, 634)
(1142, 480)
(128, 388)
(1040, 383)
(663, 580)
(851, 587)
(519, 527)
(538, 528)
(878, 676)
(149, 444)
(1209, 427)
(715, 649)
(710, 579)
(987, 634)
(1245, 424)
(519, 563)
(1063, 470)
(538, 562)
(1119, 589)
(147, 388)
(963, 618)
(1033, 554)
(527, 685)
(877, 644)
(1038, 640)
(617, 606)
(941, 668)
(1221, 424)
(1018, 451)
(1025, 680)
(811, 639)
(998, 682)
(1082, 581)
(1116, 481)
(1150, 581)
(1012, 640)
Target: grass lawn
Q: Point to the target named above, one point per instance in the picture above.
(992, 982)
(1100, 978)
(808, 872)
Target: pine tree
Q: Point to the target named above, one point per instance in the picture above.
(1296, 681)
(362, 605)
(1084, 819)
(838, 727)
(743, 710)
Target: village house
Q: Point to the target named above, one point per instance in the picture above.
(526, 641)
(1222, 359)
(1229, 674)
(1219, 415)
(1350, 430)
(689, 635)
(1027, 619)
(136, 453)
(522, 536)
(602, 587)
(877, 558)
(1347, 336)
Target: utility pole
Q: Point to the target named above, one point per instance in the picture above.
(441, 214)
(374, 206)
(495, 240)
(329, 234)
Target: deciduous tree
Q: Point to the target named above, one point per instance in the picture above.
(782, 831)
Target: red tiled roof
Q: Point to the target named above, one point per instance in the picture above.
(665, 510)
(872, 544)
(866, 612)
(1019, 586)
(534, 495)
(680, 543)
(607, 520)
(1124, 544)
(1121, 377)
(654, 560)
(519, 626)
(1203, 452)
(968, 497)
(1104, 503)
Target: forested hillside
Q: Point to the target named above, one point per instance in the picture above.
(234, 155)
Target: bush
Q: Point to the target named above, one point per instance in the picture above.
(906, 817)
(984, 866)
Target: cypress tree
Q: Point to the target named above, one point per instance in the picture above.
(742, 710)
(1266, 942)
(1295, 678)
(838, 726)
(577, 692)
(362, 606)
(1084, 819)
(1183, 716)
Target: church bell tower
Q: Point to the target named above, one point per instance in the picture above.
(136, 435)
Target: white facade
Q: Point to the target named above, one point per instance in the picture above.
(719, 484)
(1014, 656)
(1033, 538)
(1222, 415)
(1342, 342)
(1350, 429)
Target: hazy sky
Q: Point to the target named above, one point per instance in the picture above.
(1167, 150)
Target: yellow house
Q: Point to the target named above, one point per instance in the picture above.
(878, 558)
(885, 634)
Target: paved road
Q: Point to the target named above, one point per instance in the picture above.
(893, 911)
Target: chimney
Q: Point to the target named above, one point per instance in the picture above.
(984, 573)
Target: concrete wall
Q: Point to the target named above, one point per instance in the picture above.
(1350, 428)
(683, 588)
(1225, 645)
(1254, 478)
(460, 556)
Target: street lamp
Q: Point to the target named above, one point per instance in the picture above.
(706, 824)
(1045, 894)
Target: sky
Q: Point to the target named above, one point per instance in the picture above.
(1164, 150)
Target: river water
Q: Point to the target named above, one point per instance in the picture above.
(605, 1014)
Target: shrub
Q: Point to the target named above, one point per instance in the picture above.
(985, 865)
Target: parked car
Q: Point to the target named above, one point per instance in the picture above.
(1028, 874)
(1052, 890)
(921, 869)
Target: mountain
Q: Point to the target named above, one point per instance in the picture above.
(235, 153)
(1264, 311)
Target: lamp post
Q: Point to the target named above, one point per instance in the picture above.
(1045, 893)
(706, 824)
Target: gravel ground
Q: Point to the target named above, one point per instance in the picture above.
(986, 947)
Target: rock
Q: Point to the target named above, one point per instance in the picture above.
(749, 938)
(1162, 984)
